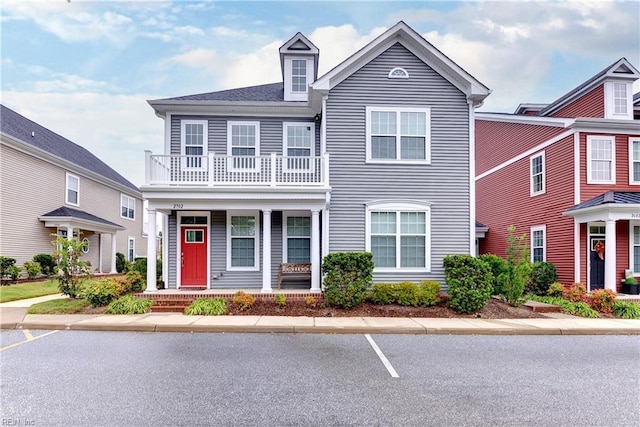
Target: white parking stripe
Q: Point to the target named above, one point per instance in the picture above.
(382, 357)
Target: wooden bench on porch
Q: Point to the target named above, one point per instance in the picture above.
(293, 271)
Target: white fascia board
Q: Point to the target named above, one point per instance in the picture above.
(45, 156)
(607, 211)
(64, 221)
(525, 120)
(597, 125)
(264, 109)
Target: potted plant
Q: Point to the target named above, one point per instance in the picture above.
(630, 286)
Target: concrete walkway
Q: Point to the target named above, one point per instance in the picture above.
(13, 316)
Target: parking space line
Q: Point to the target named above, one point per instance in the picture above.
(382, 357)
(29, 337)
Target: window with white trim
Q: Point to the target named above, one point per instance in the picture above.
(194, 142)
(297, 238)
(635, 243)
(131, 249)
(634, 161)
(618, 100)
(298, 75)
(298, 145)
(127, 207)
(537, 174)
(242, 242)
(398, 134)
(398, 73)
(538, 243)
(72, 190)
(243, 143)
(399, 236)
(601, 160)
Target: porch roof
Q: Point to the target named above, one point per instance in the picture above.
(65, 216)
(611, 205)
(616, 197)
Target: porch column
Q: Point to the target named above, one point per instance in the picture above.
(266, 251)
(113, 254)
(315, 251)
(610, 256)
(69, 233)
(151, 251)
(100, 237)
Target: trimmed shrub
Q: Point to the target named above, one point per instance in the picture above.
(121, 262)
(383, 293)
(555, 290)
(207, 307)
(543, 274)
(243, 300)
(100, 293)
(469, 282)
(311, 301)
(498, 266)
(348, 276)
(626, 309)
(13, 272)
(129, 304)
(5, 264)
(429, 290)
(280, 299)
(32, 269)
(135, 281)
(576, 293)
(602, 300)
(47, 263)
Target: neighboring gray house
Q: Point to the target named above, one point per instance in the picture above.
(50, 185)
(376, 155)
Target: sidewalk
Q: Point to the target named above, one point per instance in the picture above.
(13, 316)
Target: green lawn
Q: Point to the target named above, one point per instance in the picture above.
(59, 306)
(28, 290)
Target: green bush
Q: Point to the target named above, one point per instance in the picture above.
(121, 262)
(626, 309)
(129, 304)
(383, 294)
(5, 264)
(576, 308)
(207, 307)
(47, 264)
(543, 274)
(102, 292)
(347, 277)
(498, 266)
(32, 269)
(135, 281)
(243, 300)
(429, 291)
(517, 275)
(408, 294)
(281, 299)
(469, 282)
(13, 272)
(602, 300)
(576, 293)
(556, 290)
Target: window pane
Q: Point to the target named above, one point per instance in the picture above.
(193, 134)
(242, 252)
(72, 196)
(299, 226)
(412, 147)
(299, 136)
(383, 223)
(298, 250)
(636, 248)
(383, 123)
(412, 251)
(194, 236)
(412, 223)
(299, 75)
(243, 226)
(383, 249)
(414, 124)
(383, 147)
(538, 254)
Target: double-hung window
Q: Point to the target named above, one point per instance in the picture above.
(298, 75)
(398, 134)
(620, 98)
(601, 160)
(72, 190)
(298, 145)
(242, 242)
(537, 174)
(297, 238)
(127, 207)
(635, 252)
(634, 161)
(538, 243)
(398, 236)
(243, 142)
(131, 249)
(194, 143)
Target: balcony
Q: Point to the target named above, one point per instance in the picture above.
(214, 170)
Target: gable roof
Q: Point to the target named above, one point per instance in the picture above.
(415, 43)
(619, 69)
(65, 212)
(272, 92)
(32, 134)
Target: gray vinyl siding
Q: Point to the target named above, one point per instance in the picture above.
(172, 251)
(270, 132)
(444, 183)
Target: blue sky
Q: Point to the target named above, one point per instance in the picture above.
(85, 69)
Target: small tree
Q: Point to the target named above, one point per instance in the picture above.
(71, 270)
(543, 274)
(518, 272)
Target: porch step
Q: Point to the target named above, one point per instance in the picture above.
(542, 307)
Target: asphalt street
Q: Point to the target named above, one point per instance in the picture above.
(81, 378)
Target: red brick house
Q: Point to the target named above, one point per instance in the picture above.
(567, 174)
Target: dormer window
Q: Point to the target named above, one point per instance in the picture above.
(398, 73)
(299, 62)
(618, 100)
(299, 75)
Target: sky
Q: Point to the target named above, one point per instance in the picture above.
(85, 69)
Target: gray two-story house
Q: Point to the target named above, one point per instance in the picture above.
(376, 155)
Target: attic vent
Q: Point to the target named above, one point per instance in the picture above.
(398, 73)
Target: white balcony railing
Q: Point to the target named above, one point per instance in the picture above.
(217, 170)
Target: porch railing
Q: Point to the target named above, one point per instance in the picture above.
(222, 170)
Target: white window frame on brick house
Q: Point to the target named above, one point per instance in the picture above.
(402, 127)
(256, 240)
(191, 146)
(286, 236)
(535, 244)
(398, 231)
(72, 186)
(591, 140)
(534, 191)
(245, 162)
(634, 160)
(127, 207)
(618, 100)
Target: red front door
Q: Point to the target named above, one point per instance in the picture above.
(194, 256)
